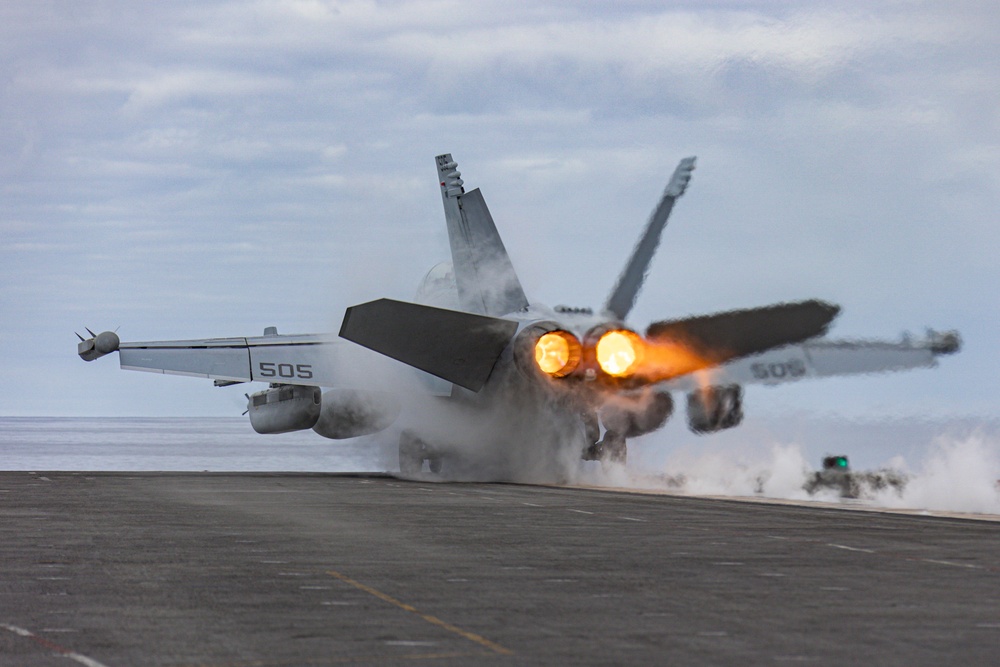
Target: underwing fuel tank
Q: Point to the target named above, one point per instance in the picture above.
(349, 413)
(335, 414)
(285, 408)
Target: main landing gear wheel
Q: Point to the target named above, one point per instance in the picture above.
(612, 450)
(413, 452)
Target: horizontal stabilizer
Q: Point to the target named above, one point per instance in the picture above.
(461, 348)
(725, 336)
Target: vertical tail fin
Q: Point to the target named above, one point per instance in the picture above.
(487, 283)
(623, 296)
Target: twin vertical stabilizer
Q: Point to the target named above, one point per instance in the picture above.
(484, 275)
(623, 296)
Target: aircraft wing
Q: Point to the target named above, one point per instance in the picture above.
(307, 360)
(320, 360)
(824, 358)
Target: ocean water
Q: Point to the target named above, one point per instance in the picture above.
(175, 444)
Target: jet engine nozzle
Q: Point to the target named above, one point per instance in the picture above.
(619, 352)
(558, 353)
(545, 350)
(98, 346)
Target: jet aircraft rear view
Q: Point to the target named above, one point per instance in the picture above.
(556, 380)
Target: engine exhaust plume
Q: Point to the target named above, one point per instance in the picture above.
(664, 360)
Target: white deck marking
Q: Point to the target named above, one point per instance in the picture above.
(847, 548)
(402, 642)
(952, 564)
(580, 511)
(41, 641)
(84, 660)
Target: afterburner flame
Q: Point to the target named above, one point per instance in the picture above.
(665, 360)
(557, 353)
(619, 353)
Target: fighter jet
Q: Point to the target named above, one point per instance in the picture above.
(489, 364)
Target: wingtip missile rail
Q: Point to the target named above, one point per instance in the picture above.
(97, 345)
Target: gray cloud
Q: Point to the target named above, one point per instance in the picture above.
(200, 169)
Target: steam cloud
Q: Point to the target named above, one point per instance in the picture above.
(948, 465)
(955, 472)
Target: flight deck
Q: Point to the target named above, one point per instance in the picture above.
(255, 570)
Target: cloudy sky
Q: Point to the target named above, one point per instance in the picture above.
(199, 169)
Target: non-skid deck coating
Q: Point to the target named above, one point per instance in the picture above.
(241, 570)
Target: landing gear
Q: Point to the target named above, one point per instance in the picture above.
(714, 409)
(413, 452)
(611, 450)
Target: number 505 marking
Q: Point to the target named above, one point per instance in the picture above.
(776, 371)
(288, 371)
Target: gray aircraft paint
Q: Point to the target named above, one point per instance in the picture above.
(468, 347)
(487, 283)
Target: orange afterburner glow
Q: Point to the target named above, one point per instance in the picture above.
(619, 353)
(557, 353)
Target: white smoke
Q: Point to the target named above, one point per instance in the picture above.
(955, 472)
(960, 475)
(511, 438)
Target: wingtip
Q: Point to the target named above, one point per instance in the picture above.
(681, 177)
(831, 309)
